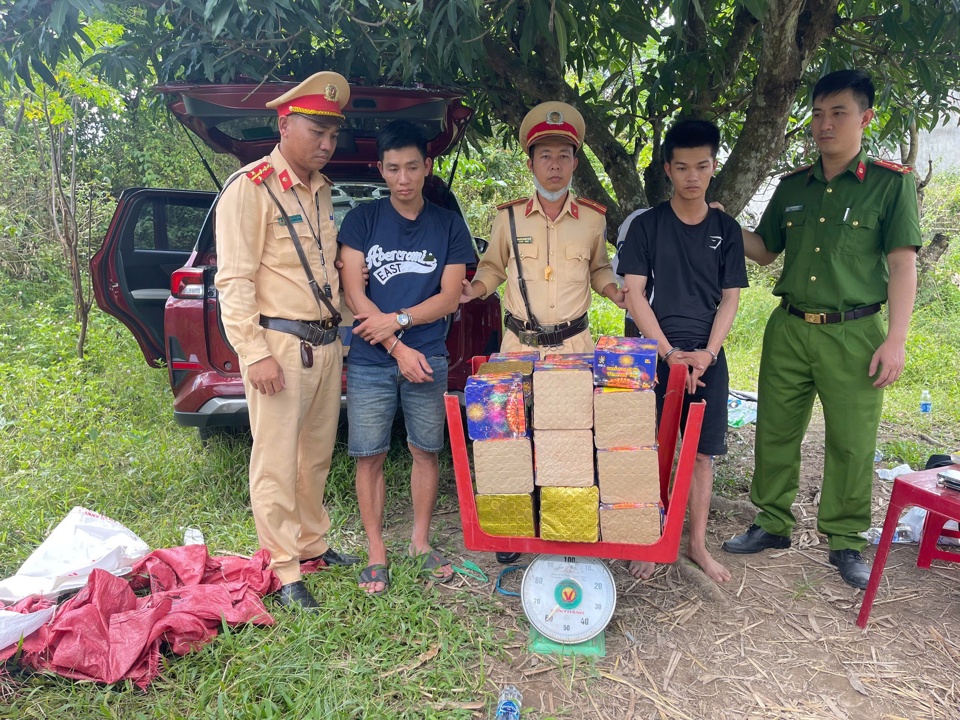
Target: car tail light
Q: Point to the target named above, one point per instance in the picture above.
(187, 283)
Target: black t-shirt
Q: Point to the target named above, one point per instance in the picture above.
(687, 268)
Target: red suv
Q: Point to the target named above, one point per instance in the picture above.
(156, 266)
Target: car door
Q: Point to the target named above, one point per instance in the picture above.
(153, 233)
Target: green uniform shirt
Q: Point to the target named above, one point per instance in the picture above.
(836, 235)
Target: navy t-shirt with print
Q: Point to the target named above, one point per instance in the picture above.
(406, 259)
(687, 268)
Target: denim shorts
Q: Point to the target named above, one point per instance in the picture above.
(373, 392)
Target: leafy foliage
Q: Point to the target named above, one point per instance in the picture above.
(630, 67)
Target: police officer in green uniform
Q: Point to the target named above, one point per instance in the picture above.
(849, 228)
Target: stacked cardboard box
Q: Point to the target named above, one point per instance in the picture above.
(593, 469)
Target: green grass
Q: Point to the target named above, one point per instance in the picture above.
(99, 433)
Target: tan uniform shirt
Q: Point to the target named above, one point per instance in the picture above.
(258, 269)
(562, 259)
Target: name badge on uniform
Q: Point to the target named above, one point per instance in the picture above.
(794, 208)
(293, 219)
(524, 240)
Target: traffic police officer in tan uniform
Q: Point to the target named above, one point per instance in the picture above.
(285, 336)
(561, 242)
(849, 231)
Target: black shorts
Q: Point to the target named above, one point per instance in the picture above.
(630, 328)
(716, 380)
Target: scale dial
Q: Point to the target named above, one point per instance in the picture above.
(568, 599)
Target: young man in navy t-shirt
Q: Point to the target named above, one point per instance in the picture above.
(684, 267)
(416, 254)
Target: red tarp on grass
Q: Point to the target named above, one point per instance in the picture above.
(107, 633)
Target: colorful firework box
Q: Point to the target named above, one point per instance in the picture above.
(506, 365)
(632, 523)
(503, 466)
(625, 362)
(495, 407)
(563, 399)
(506, 515)
(569, 513)
(624, 418)
(520, 356)
(586, 358)
(629, 475)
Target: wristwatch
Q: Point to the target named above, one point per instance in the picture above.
(403, 318)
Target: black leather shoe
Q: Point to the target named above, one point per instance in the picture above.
(754, 540)
(331, 557)
(507, 558)
(853, 569)
(295, 595)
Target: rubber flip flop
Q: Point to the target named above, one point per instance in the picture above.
(432, 561)
(375, 573)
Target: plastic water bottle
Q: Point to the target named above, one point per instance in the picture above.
(926, 405)
(508, 706)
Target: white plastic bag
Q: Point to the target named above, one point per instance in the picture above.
(84, 540)
(14, 626)
(741, 408)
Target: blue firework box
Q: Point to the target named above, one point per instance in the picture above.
(625, 362)
(495, 407)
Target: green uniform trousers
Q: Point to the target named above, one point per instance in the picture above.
(801, 360)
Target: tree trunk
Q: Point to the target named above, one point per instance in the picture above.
(792, 31)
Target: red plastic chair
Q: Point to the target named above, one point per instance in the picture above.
(919, 489)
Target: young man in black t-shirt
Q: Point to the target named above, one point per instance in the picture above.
(684, 267)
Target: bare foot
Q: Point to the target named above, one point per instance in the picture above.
(711, 568)
(641, 570)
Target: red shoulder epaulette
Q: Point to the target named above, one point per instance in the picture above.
(798, 170)
(261, 172)
(592, 204)
(505, 205)
(896, 167)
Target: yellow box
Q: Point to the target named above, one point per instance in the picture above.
(506, 515)
(569, 513)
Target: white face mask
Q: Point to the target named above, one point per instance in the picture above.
(546, 194)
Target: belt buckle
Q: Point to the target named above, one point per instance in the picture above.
(529, 337)
(815, 318)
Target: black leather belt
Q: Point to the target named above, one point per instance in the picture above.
(827, 318)
(547, 335)
(318, 332)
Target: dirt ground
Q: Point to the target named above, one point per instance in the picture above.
(777, 641)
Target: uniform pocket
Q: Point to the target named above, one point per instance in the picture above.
(792, 228)
(529, 261)
(578, 263)
(279, 249)
(857, 232)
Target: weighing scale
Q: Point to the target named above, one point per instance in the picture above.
(568, 601)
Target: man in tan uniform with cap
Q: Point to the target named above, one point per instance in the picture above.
(284, 332)
(561, 243)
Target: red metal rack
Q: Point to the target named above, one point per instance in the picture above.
(673, 495)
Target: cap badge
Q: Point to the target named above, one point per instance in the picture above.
(555, 117)
(330, 92)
